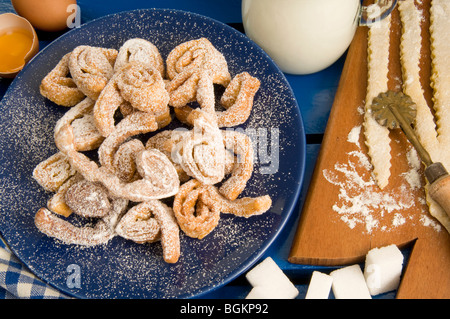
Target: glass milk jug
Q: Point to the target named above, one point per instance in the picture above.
(306, 36)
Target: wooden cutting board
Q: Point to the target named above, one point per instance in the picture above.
(327, 233)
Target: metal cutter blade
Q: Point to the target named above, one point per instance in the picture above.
(382, 109)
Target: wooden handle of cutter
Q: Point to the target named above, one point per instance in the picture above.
(440, 192)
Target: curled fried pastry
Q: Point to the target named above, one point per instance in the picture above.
(124, 162)
(193, 67)
(57, 203)
(106, 105)
(241, 145)
(88, 199)
(91, 68)
(197, 207)
(138, 84)
(139, 50)
(201, 153)
(159, 177)
(238, 100)
(139, 225)
(86, 135)
(165, 142)
(59, 87)
(56, 227)
(242, 207)
(196, 218)
(134, 124)
(52, 172)
(150, 221)
(64, 141)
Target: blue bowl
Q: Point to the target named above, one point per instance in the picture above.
(121, 268)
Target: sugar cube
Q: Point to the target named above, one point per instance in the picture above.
(349, 283)
(383, 268)
(319, 286)
(271, 281)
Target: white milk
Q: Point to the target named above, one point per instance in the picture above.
(301, 36)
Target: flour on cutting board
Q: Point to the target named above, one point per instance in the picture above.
(362, 202)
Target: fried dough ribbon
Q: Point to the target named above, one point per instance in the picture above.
(159, 179)
(193, 68)
(195, 218)
(237, 100)
(151, 221)
(61, 229)
(241, 145)
(139, 84)
(59, 87)
(238, 157)
(139, 50)
(81, 118)
(201, 152)
(197, 207)
(91, 68)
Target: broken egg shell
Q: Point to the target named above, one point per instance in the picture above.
(13, 21)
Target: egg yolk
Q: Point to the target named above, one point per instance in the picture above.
(14, 45)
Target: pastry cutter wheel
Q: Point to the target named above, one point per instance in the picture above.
(396, 109)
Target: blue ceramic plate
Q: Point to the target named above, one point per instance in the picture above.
(121, 268)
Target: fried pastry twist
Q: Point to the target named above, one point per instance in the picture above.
(195, 217)
(61, 229)
(193, 68)
(237, 101)
(59, 87)
(201, 152)
(91, 68)
(197, 207)
(159, 178)
(139, 225)
(86, 135)
(54, 226)
(140, 50)
(241, 145)
(138, 84)
(53, 172)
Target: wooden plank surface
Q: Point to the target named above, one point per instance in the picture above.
(327, 234)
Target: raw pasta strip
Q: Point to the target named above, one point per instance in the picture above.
(426, 128)
(440, 79)
(410, 51)
(377, 136)
(440, 82)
